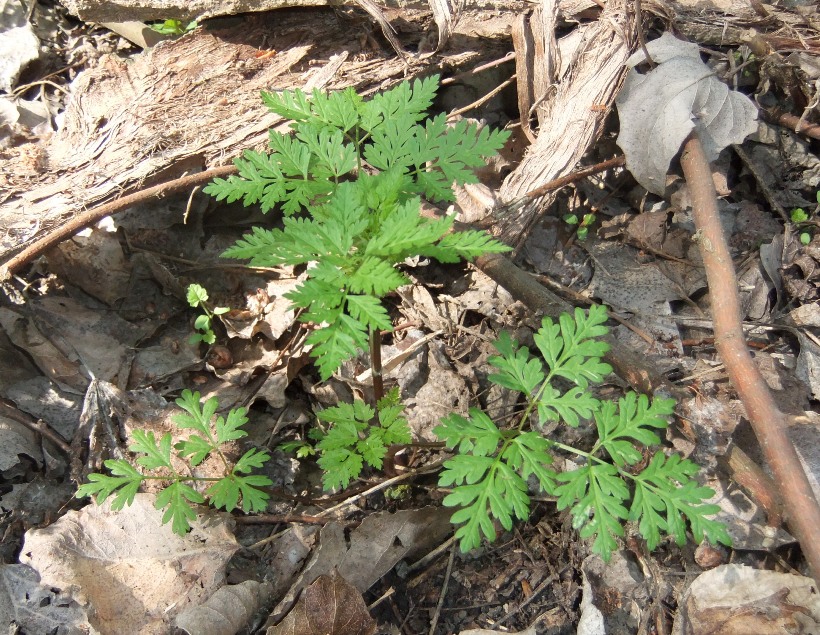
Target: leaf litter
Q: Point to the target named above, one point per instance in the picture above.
(109, 323)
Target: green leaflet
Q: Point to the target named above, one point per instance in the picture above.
(354, 439)
(489, 472)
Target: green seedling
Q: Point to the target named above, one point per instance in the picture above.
(349, 183)
(800, 216)
(197, 297)
(173, 27)
(356, 435)
(237, 486)
(586, 221)
(490, 470)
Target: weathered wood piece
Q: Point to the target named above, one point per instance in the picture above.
(192, 104)
(571, 105)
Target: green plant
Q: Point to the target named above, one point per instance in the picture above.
(173, 27)
(800, 216)
(490, 470)
(197, 297)
(358, 169)
(176, 498)
(586, 221)
(358, 435)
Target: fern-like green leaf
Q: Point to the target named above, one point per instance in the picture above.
(125, 482)
(376, 277)
(529, 453)
(633, 419)
(571, 349)
(406, 233)
(454, 152)
(337, 342)
(353, 440)
(290, 104)
(465, 245)
(339, 467)
(569, 407)
(199, 415)
(368, 310)
(598, 494)
(157, 453)
(518, 369)
(411, 100)
(478, 435)
(393, 144)
(196, 448)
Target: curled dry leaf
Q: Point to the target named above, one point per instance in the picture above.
(658, 110)
(329, 606)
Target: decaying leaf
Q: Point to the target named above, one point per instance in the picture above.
(329, 606)
(134, 571)
(371, 550)
(736, 600)
(226, 612)
(36, 608)
(658, 110)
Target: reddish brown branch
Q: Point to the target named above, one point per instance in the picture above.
(767, 421)
(81, 221)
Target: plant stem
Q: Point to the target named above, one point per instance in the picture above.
(376, 367)
(767, 420)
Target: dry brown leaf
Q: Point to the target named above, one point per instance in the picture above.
(329, 606)
(135, 573)
(738, 600)
(226, 612)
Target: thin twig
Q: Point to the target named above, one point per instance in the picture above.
(481, 100)
(434, 621)
(535, 593)
(89, 217)
(277, 519)
(509, 57)
(35, 425)
(383, 485)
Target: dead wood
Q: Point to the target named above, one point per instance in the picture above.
(581, 92)
(193, 103)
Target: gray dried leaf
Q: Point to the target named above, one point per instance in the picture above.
(658, 110)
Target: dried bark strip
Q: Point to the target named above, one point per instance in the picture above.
(570, 121)
(191, 104)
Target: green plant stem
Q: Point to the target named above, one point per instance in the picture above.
(180, 477)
